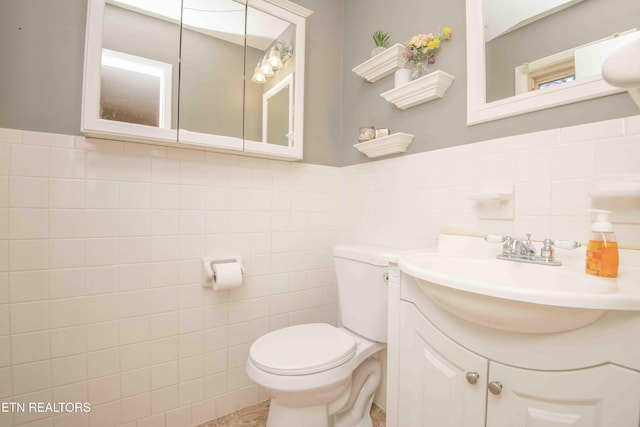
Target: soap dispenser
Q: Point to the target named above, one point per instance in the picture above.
(602, 249)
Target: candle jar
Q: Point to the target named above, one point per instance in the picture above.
(366, 133)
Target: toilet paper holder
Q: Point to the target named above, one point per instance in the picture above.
(208, 274)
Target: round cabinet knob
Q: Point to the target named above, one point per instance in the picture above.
(473, 377)
(495, 387)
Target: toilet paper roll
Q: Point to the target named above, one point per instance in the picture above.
(227, 275)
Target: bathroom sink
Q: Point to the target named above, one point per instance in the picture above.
(519, 297)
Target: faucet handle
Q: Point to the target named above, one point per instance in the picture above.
(547, 249)
(566, 244)
(527, 247)
(496, 238)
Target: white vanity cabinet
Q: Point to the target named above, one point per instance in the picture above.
(441, 383)
(445, 371)
(434, 390)
(601, 396)
(186, 72)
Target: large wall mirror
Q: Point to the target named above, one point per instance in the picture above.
(195, 72)
(537, 54)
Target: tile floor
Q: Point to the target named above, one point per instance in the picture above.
(256, 416)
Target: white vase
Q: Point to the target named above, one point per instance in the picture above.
(401, 77)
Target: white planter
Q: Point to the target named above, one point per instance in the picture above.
(401, 77)
(377, 50)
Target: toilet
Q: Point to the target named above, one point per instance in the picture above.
(319, 375)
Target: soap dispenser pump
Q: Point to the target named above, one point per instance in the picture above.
(602, 249)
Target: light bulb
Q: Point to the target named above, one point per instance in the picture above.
(258, 77)
(274, 59)
(266, 68)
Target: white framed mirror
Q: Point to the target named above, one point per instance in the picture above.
(484, 105)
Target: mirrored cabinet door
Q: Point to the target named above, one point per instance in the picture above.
(212, 73)
(274, 80)
(131, 70)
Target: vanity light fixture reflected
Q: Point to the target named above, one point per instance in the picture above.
(272, 61)
(258, 77)
(265, 67)
(274, 58)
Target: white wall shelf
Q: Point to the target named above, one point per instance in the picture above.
(425, 89)
(392, 144)
(382, 64)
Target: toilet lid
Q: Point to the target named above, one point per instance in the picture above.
(302, 349)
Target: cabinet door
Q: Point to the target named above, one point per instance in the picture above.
(212, 73)
(604, 396)
(130, 88)
(434, 390)
(274, 81)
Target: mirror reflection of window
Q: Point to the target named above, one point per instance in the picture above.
(570, 65)
(530, 31)
(140, 51)
(135, 90)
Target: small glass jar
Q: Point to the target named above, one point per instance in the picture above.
(366, 133)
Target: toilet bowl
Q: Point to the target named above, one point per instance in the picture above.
(319, 375)
(314, 379)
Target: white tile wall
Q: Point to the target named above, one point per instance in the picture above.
(100, 243)
(100, 295)
(405, 202)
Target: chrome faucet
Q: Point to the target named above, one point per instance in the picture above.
(524, 251)
(518, 247)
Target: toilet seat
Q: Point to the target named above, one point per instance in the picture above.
(302, 349)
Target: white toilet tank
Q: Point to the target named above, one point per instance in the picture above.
(362, 289)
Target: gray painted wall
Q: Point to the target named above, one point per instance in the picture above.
(440, 123)
(323, 82)
(42, 51)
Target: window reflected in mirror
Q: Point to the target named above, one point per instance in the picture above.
(135, 89)
(138, 80)
(535, 45)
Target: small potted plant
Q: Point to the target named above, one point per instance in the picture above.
(380, 38)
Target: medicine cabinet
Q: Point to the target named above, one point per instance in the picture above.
(206, 73)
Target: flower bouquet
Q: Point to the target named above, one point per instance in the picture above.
(421, 51)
